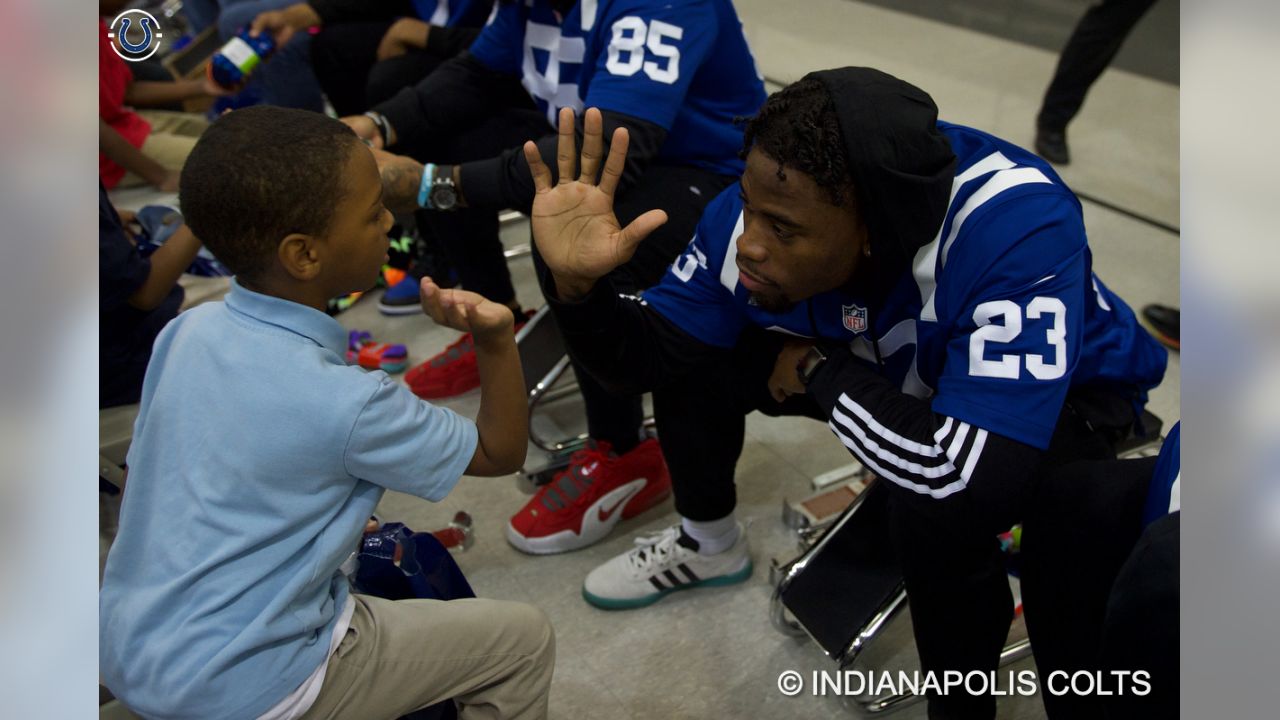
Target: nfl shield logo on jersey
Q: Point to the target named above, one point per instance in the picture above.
(855, 318)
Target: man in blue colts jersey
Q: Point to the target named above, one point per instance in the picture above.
(923, 287)
(675, 74)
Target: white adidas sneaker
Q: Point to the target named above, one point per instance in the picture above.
(661, 564)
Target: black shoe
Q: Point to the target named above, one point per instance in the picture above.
(1165, 322)
(1052, 146)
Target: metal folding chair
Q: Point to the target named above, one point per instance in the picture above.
(545, 360)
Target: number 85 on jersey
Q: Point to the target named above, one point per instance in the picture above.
(651, 47)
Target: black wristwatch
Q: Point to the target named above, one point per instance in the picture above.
(809, 364)
(437, 191)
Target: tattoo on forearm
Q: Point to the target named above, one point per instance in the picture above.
(400, 184)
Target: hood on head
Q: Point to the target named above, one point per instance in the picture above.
(901, 164)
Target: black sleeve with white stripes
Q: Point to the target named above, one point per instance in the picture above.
(899, 437)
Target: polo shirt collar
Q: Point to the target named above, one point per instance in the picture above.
(294, 317)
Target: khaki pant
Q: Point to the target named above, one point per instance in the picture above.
(173, 134)
(495, 658)
(198, 290)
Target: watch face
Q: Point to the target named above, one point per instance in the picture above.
(443, 197)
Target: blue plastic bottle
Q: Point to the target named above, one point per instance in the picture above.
(233, 64)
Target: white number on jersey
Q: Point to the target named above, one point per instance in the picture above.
(1010, 366)
(547, 86)
(687, 264)
(630, 38)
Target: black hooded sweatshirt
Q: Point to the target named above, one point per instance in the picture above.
(902, 168)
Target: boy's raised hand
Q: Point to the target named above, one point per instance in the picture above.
(573, 222)
(467, 312)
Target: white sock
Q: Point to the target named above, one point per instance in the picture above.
(714, 536)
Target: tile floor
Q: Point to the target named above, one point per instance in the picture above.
(713, 653)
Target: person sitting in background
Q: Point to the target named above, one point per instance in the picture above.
(284, 79)
(144, 147)
(259, 455)
(137, 297)
(365, 52)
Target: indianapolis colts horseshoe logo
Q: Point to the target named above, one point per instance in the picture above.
(124, 31)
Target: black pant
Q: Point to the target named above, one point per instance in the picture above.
(701, 419)
(469, 236)
(1140, 630)
(1084, 608)
(345, 59)
(955, 574)
(682, 192)
(1092, 46)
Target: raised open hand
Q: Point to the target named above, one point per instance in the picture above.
(573, 222)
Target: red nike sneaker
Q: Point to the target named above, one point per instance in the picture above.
(453, 371)
(583, 502)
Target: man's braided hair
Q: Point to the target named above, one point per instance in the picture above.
(798, 128)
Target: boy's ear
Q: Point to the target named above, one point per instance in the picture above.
(300, 256)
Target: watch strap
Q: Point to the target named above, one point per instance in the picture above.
(809, 364)
(384, 127)
(424, 187)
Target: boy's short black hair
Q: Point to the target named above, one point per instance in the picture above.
(259, 174)
(798, 128)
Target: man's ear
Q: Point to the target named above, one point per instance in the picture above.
(299, 255)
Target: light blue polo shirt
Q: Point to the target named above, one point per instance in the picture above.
(257, 457)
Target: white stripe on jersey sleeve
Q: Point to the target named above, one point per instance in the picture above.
(729, 270)
(925, 262)
(998, 183)
(441, 15)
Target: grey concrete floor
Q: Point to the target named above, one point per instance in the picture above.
(713, 653)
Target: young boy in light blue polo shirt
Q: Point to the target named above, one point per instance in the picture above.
(259, 454)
